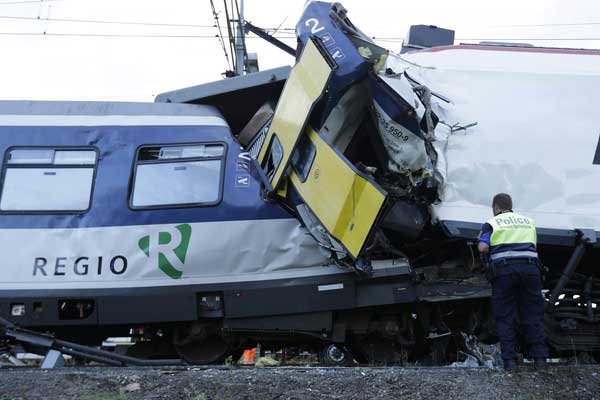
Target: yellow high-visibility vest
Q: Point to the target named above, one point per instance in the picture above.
(510, 228)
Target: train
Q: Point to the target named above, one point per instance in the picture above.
(334, 205)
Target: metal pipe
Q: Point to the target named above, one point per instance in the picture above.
(567, 272)
(90, 357)
(49, 342)
(114, 356)
(88, 352)
(271, 39)
(240, 59)
(587, 295)
(6, 323)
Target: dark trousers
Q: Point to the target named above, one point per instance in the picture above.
(516, 293)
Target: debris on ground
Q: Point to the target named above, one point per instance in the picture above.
(218, 382)
(266, 362)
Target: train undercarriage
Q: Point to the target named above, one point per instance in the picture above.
(429, 315)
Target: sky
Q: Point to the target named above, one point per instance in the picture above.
(58, 66)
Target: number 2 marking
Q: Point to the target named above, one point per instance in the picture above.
(315, 25)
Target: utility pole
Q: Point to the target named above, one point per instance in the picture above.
(240, 50)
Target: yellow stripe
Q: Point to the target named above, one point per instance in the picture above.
(345, 202)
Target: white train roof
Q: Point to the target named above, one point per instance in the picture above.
(537, 132)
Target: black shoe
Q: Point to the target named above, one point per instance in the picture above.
(511, 366)
(540, 364)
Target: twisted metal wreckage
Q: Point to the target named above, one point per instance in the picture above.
(343, 218)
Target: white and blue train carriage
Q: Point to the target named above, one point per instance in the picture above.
(116, 216)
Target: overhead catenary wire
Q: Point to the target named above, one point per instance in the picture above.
(93, 21)
(76, 34)
(96, 21)
(47, 13)
(283, 35)
(72, 34)
(287, 37)
(276, 29)
(28, 2)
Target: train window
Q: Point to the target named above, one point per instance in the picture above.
(303, 157)
(178, 175)
(48, 179)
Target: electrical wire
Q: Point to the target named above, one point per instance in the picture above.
(105, 35)
(383, 39)
(93, 21)
(28, 2)
(119, 35)
(253, 37)
(279, 27)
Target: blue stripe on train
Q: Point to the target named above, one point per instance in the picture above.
(117, 146)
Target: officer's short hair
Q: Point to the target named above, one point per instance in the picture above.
(503, 201)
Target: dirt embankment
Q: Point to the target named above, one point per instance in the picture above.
(99, 383)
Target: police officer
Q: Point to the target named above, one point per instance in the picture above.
(509, 240)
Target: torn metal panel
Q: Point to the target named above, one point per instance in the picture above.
(344, 200)
(399, 128)
(311, 222)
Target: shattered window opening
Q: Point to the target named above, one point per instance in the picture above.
(274, 157)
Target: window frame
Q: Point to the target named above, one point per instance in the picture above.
(6, 166)
(269, 155)
(304, 140)
(132, 180)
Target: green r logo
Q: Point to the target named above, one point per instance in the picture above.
(169, 248)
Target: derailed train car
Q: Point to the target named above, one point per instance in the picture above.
(342, 218)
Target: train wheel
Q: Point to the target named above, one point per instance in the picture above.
(202, 343)
(336, 355)
(211, 350)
